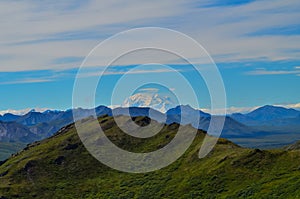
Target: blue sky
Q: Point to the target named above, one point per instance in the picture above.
(255, 44)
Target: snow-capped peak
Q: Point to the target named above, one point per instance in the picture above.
(156, 101)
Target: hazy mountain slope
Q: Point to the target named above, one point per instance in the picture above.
(13, 137)
(244, 119)
(8, 148)
(231, 127)
(60, 167)
(14, 132)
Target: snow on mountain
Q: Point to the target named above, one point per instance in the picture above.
(23, 111)
(156, 101)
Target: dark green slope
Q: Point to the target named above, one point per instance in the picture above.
(60, 167)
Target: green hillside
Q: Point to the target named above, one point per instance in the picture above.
(60, 167)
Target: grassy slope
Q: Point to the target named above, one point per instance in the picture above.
(60, 167)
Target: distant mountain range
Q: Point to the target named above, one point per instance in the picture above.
(43, 124)
(265, 127)
(266, 115)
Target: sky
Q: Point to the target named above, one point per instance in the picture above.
(255, 45)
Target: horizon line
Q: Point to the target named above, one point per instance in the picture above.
(229, 110)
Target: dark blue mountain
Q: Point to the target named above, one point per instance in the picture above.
(8, 117)
(187, 110)
(185, 114)
(266, 115)
(33, 118)
(103, 110)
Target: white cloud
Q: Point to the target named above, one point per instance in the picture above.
(230, 110)
(35, 34)
(294, 106)
(114, 106)
(232, 30)
(42, 28)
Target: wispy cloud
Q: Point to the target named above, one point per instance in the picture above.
(133, 72)
(273, 72)
(27, 81)
(149, 89)
(30, 77)
(37, 33)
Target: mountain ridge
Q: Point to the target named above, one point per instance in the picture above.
(238, 127)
